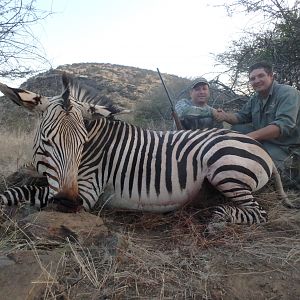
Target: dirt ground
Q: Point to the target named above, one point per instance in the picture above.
(149, 256)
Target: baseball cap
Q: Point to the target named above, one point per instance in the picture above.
(199, 80)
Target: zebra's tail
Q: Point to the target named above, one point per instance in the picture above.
(279, 187)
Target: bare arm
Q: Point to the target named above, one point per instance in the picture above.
(266, 133)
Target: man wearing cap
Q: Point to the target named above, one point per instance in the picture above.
(195, 113)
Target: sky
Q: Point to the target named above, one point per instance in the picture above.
(179, 37)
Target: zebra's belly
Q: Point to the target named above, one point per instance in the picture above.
(151, 202)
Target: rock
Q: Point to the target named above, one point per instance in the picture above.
(84, 227)
(26, 276)
(5, 261)
(33, 274)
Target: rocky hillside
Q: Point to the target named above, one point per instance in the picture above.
(123, 85)
(128, 87)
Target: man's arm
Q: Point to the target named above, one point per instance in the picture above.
(266, 133)
(220, 115)
(185, 108)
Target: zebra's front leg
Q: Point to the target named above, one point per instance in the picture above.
(240, 212)
(34, 195)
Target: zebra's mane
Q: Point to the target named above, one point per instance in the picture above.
(83, 93)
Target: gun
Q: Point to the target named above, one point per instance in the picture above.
(174, 113)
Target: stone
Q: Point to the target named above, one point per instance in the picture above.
(83, 227)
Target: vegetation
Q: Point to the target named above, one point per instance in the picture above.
(154, 112)
(20, 49)
(15, 149)
(152, 256)
(278, 44)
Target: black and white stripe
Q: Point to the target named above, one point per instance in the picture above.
(85, 153)
(150, 170)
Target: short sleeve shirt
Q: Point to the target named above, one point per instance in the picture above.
(280, 108)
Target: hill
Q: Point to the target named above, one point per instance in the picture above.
(132, 88)
(122, 84)
(125, 86)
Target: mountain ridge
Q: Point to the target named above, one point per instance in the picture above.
(124, 85)
(132, 88)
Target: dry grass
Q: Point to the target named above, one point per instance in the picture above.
(153, 256)
(164, 256)
(15, 149)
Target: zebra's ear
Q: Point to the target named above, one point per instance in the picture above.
(29, 100)
(92, 112)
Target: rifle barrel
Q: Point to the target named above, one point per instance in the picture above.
(174, 113)
(167, 92)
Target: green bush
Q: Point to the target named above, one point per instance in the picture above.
(155, 111)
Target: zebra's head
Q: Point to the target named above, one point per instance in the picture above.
(62, 134)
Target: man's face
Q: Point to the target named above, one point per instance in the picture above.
(200, 94)
(261, 81)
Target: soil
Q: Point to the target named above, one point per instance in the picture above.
(111, 254)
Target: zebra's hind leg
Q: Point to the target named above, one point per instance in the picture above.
(246, 211)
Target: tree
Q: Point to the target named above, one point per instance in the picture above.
(155, 112)
(279, 44)
(18, 45)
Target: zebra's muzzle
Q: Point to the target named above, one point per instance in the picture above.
(67, 205)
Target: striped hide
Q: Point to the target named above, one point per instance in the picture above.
(84, 151)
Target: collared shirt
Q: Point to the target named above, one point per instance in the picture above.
(281, 108)
(195, 117)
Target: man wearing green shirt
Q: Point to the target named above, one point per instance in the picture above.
(271, 116)
(195, 113)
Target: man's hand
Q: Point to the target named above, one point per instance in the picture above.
(220, 115)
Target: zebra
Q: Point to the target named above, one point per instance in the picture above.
(84, 151)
